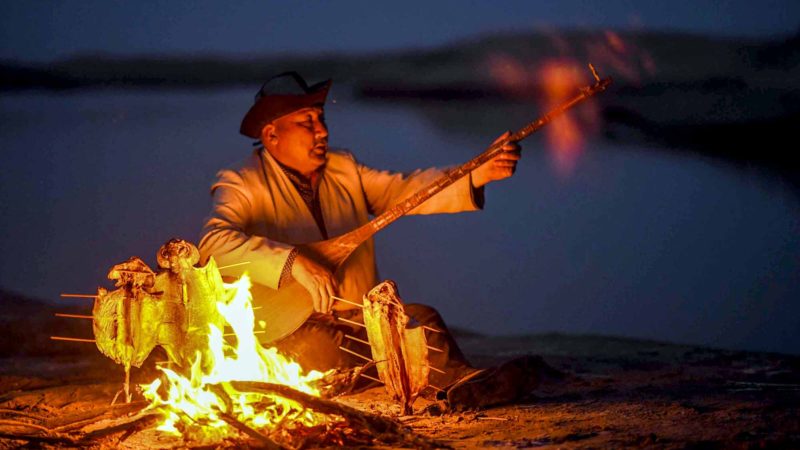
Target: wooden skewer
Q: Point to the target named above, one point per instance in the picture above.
(63, 338)
(357, 339)
(435, 387)
(74, 316)
(435, 349)
(234, 334)
(355, 354)
(78, 296)
(437, 370)
(349, 302)
(351, 322)
(370, 378)
(233, 265)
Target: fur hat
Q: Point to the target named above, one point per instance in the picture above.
(281, 95)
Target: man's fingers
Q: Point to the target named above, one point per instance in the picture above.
(502, 137)
(505, 163)
(324, 299)
(316, 299)
(330, 293)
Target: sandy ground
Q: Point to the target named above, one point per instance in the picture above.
(618, 393)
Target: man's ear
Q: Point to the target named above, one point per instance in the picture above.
(269, 136)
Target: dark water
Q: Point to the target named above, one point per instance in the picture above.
(634, 242)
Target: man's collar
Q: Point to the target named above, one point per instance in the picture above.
(298, 179)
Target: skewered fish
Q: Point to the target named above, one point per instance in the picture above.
(398, 344)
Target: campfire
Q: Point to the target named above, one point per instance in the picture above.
(220, 384)
(194, 405)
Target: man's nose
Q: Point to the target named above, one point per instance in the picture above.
(320, 129)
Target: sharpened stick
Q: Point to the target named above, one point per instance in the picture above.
(351, 322)
(425, 327)
(78, 296)
(437, 370)
(436, 387)
(233, 265)
(370, 378)
(353, 338)
(355, 354)
(234, 334)
(349, 302)
(63, 338)
(435, 349)
(74, 316)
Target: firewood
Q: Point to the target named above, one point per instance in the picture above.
(138, 422)
(15, 412)
(18, 424)
(241, 426)
(385, 429)
(80, 419)
(42, 438)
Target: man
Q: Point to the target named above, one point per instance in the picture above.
(295, 190)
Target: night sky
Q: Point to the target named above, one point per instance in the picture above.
(48, 30)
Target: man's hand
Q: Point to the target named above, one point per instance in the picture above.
(501, 166)
(318, 281)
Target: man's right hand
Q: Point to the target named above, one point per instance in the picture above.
(318, 281)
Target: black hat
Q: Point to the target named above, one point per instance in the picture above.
(279, 96)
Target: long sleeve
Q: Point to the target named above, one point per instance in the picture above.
(385, 189)
(228, 238)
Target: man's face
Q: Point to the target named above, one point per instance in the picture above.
(298, 140)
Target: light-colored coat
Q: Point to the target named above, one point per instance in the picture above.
(258, 215)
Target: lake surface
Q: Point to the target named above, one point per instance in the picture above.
(634, 242)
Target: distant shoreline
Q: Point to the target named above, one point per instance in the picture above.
(737, 100)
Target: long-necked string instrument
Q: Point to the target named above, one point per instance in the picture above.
(286, 309)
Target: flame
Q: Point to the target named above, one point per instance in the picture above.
(561, 79)
(558, 76)
(192, 406)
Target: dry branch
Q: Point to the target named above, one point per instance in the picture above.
(79, 419)
(21, 413)
(244, 428)
(18, 424)
(136, 423)
(383, 428)
(39, 438)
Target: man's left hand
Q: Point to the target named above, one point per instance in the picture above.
(501, 166)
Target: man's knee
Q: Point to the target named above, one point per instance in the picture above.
(313, 347)
(423, 314)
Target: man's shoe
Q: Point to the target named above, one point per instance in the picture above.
(510, 381)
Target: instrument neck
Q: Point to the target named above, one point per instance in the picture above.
(380, 222)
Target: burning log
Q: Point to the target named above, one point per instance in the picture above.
(383, 429)
(401, 352)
